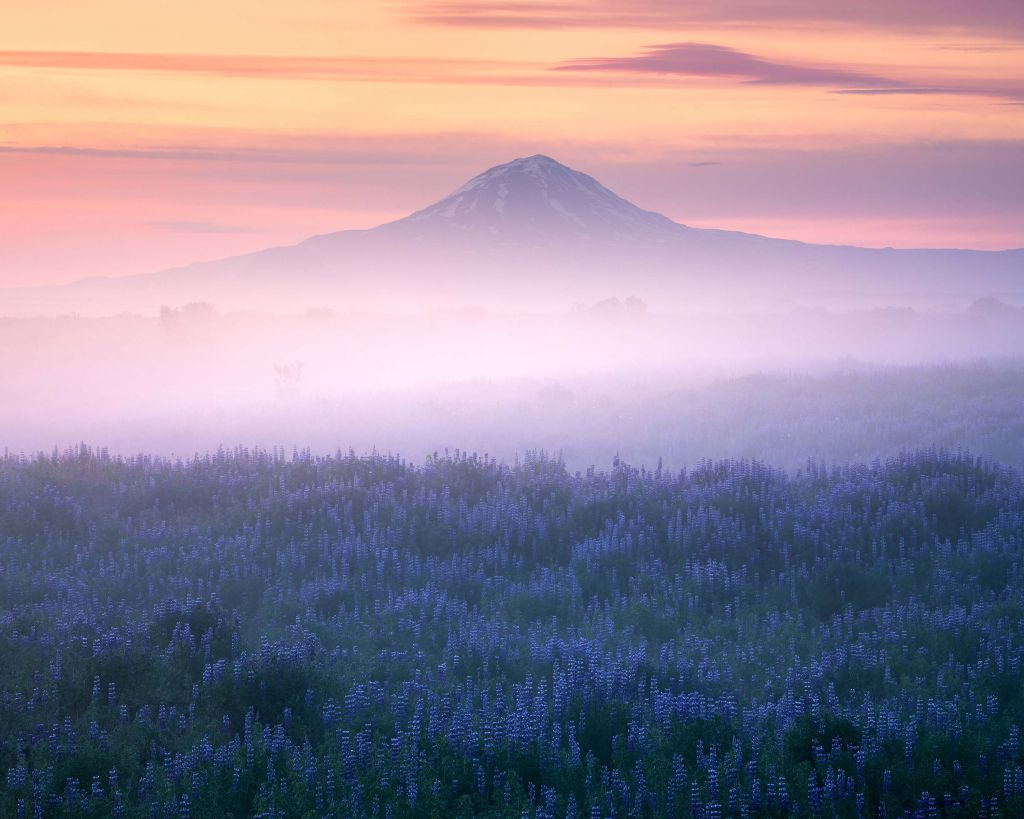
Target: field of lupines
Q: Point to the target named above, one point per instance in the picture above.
(254, 634)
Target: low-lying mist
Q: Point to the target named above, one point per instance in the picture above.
(612, 378)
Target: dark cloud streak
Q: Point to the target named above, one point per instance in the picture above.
(1015, 95)
(708, 60)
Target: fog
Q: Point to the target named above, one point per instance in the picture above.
(615, 377)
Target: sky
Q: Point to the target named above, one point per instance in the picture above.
(141, 134)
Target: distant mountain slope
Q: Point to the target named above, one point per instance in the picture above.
(537, 197)
(535, 234)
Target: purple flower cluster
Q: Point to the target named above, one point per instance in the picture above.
(250, 634)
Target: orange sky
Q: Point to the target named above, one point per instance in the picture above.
(138, 135)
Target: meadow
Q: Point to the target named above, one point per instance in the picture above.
(262, 633)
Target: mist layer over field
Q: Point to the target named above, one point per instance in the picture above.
(606, 379)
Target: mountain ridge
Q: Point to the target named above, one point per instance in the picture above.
(533, 232)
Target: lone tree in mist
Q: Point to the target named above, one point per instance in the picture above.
(286, 379)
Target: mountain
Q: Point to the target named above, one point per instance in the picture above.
(537, 198)
(534, 234)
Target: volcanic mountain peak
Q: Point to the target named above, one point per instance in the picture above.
(534, 232)
(539, 196)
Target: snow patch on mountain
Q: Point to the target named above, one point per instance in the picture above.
(538, 196)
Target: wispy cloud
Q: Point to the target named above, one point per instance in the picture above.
(201, 227)
(655, 63)
(1015, 95)
(384, 69)
(525, 14)
(365, 152)
(707, 60)
(283, 67)
(1000, 18)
